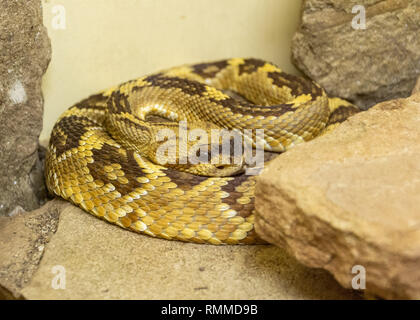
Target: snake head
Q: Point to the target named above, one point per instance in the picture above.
(208, 160)
(200, 149)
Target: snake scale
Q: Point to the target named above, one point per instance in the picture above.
(101, 151)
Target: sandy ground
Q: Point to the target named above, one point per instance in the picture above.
(68, 254)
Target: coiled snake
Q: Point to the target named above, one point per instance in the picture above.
(102, 151)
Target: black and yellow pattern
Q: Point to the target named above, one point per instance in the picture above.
(101, 149)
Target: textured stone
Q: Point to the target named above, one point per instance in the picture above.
(23, 238)
(350, 198)
(102, 261)
(417, 87)
(367, 66)
(24, 56)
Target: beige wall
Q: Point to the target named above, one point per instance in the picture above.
(106, 42)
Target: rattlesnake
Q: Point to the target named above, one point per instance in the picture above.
(101, 155)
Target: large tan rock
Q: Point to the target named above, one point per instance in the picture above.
(352, 197)
(24, 55)
(365, 66)
(102, 261)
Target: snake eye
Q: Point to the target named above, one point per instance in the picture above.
(203, 154)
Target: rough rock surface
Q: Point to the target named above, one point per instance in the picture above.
(417, 87)
(23, 238)
(24, 55)
(102, 261)
(351, 198)
(365, 66)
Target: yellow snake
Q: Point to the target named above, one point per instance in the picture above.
(102, 151)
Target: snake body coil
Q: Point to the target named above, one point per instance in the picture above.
(101, 152)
